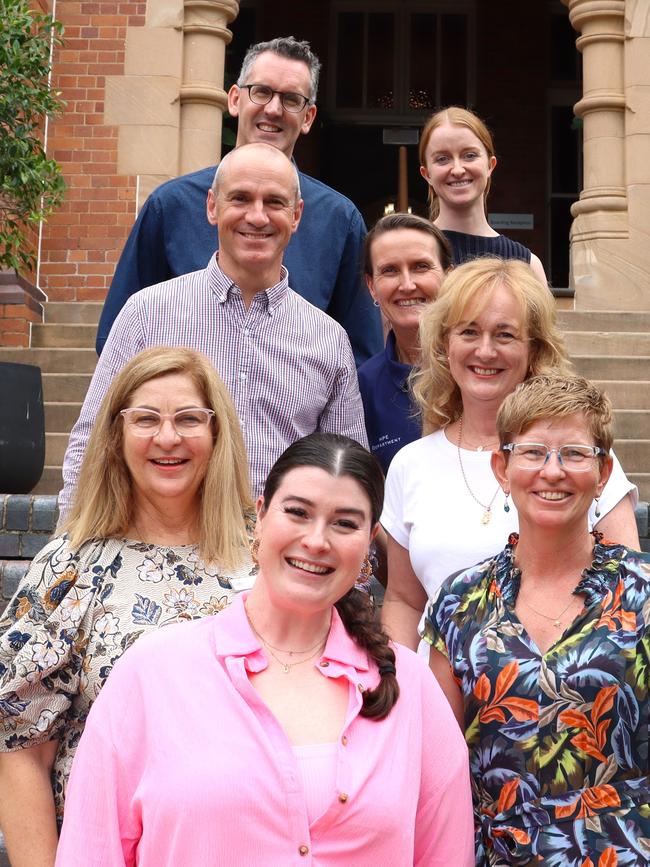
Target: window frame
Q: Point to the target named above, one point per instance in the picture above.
(402, 9)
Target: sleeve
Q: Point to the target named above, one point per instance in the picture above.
(143, 263)
(430, 629)
(351, 304)
(102, 824)
(618, 486)
(344, 411)
(392, 516)
(444, 823)
(126, 340)
(42, 646)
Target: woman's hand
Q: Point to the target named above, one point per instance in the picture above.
(405, 597)
(27, 815)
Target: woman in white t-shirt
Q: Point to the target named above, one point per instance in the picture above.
(492, 327)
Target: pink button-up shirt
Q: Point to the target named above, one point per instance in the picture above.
(182, 763)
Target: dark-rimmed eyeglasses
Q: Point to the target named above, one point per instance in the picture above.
(534, 456)
(186, 422)
(260, 94)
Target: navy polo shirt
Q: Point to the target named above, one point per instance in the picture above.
(391, 422)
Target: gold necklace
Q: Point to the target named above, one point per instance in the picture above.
(287, 666)
(487, 508)
(554, 620)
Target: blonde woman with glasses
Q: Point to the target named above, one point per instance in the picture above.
(158, 534)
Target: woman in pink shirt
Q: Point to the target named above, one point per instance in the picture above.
(287, 731)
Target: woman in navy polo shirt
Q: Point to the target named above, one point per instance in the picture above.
(405, 260)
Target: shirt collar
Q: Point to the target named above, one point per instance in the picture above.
(596, 580)
(221, 285)
(235, 638)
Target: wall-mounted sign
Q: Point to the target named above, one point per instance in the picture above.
(511, 221)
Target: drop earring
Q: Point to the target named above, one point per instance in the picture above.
(597, 509)
(506, 504)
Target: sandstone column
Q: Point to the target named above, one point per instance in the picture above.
(202, 95)
(609, 237)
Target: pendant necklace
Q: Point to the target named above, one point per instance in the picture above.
(554, 620)
(314, 650)
(487, 507)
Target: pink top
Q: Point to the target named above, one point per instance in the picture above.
(317, 768)
(181, 762)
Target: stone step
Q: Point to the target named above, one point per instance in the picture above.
(64, 335)
(602, 320)
(84, 312)
(642, 481)
(632, 423)
(607, 343)
(53, 360)
(634, 455)
(628, 367)
(50, 482)
(626, 395)
(59, 417)
(65, 387)
(55, 446)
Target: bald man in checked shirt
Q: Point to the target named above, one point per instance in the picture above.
(289, 367)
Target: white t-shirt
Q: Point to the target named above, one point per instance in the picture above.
(429, 511)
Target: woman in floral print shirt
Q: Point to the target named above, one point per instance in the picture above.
(159, 532)
(549, 650)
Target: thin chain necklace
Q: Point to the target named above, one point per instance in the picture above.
(554, 620)
(487, 508)
(287, 666)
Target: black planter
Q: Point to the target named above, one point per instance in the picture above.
(22, 428)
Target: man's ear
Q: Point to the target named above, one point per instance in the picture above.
(233, 101)
(211, 208)
(310, 116)
(297, 214)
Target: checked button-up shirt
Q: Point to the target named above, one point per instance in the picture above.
(288, 366)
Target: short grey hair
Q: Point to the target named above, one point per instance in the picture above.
(284, 46)
(224, 161)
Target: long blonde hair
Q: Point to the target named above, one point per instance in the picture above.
(456, 116)
(103, 505)
(464, 294)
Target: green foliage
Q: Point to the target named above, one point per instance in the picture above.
(31, 185)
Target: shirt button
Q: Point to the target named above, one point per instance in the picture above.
(303, 850)
(324, 663)
(242, 376)
(344, 740)
(343, 797)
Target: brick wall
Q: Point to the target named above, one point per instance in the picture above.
(26, 524)
(83, 239)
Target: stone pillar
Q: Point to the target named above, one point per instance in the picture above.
(609, 242)
(202, 94)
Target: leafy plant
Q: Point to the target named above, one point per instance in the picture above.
(31, 185)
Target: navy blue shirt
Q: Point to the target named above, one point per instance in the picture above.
(172, 236)
(391, 422)
(465, 247)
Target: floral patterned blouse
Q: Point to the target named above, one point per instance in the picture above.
(74, 615)
(558, 742)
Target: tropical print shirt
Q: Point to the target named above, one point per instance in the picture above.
(74, 614)
(558, 742)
